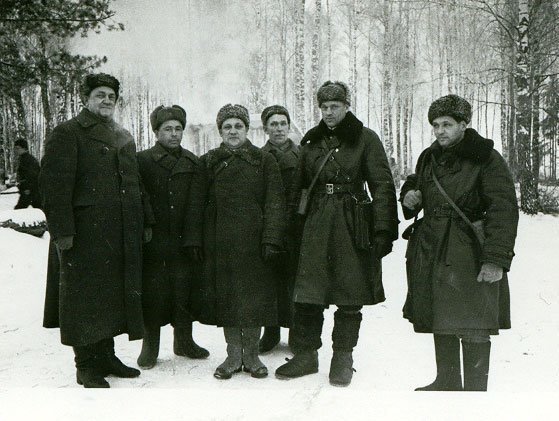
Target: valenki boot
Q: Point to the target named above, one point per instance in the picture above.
(109, 363)
(150, 347)
(184, 345)
(476, 365)
(344, 338)
(87, 374)
(270, 339)
(251, 362)
(305, 342)
(234, 361)
(447, 356)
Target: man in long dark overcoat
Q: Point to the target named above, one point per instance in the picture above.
(345, 235)
(27, 176)
(167, 172)
(240, 197)
(457, 282)
(91, 192)
(277, 122)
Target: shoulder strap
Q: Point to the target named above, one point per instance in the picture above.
(447, 197)
(322, 164)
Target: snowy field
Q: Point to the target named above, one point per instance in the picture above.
(37, 375)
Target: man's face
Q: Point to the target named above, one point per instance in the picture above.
(169, 134)
(277, 128)
(101, 102)
(333, 112)
(233, 132)
(448, 131)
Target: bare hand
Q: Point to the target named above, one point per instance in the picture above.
(412, 199)
(490, 272)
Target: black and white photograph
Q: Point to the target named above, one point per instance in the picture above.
(279, 209)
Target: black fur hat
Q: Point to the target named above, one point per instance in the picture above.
(94, 80)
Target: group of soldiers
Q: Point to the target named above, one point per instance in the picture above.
(246, 237)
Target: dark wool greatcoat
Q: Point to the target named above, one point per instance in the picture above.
(332, 268)
(28, 180)
(287, 157)
(167, 276)
(91, 190)
(443, 256)
(240, 195)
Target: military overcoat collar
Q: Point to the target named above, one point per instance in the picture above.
(172, 163)
(348, 131)
(248, 152)
(107, 132)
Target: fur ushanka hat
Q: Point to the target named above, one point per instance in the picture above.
(94, 80)
(272, 110)
(333, 91)
(162, 114)
(452, 106)
(232, 111)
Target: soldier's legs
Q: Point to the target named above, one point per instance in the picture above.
(347, 321)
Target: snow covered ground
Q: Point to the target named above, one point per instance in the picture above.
(37, 376)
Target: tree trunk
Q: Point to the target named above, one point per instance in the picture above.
(315, 63)
(529, 200)
(300, 115)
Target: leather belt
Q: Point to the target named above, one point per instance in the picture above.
(331, 188)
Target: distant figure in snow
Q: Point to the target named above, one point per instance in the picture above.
(27, 176)
(92, 198)
(457, 279)
(170, 270)
(276, 122)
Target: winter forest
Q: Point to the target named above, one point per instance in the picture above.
(397, 56)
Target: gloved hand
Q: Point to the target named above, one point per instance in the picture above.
(382, 244)
(270, 252)
(194, 254)
(412, 199)
(148, 234)
(490, 272)
(65, 243)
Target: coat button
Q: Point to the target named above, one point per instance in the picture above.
(123, 191)
(172, 207)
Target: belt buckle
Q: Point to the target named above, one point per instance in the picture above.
(329, 188)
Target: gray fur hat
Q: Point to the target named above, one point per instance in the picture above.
(452, 106)
(333, 91)
(232, 111)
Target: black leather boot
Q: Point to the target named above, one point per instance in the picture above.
(184, 345)
(251, 362)
(150, 347)
(305, 341)
(234, 361)
(87, 374)
(270, 339)
(344, 339)
(109, 363)
(476, 365)
(447, 356)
